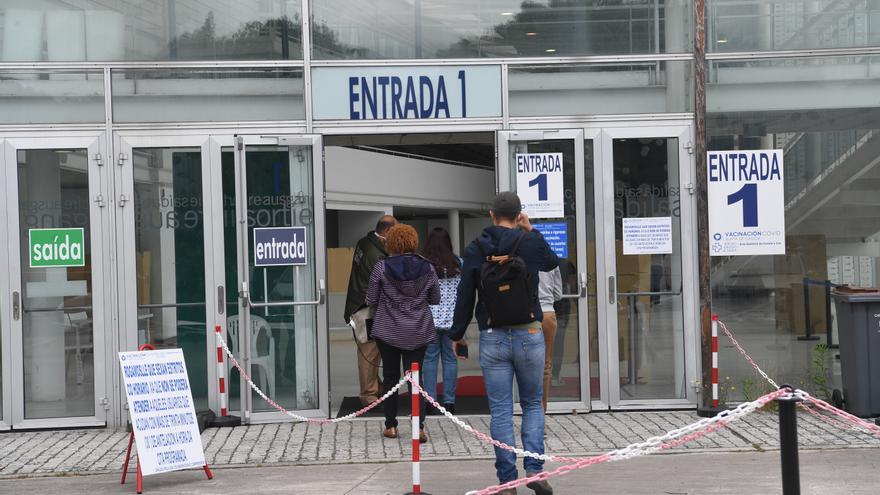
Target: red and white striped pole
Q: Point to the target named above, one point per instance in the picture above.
(715, 361)
(416, 419)
(221, 371)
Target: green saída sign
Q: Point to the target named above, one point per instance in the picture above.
(57, 247)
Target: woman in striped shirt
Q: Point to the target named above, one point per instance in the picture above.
(403, 286)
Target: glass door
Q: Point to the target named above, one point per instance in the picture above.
(170, 283)
(527, 162)
(651, 279)
(56, 245)
(273, 186)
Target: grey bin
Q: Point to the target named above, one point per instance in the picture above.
(858, 324)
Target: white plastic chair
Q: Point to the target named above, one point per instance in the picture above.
(262, 350)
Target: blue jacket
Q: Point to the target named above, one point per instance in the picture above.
(533, 249)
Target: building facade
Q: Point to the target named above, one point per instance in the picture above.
(143, 141)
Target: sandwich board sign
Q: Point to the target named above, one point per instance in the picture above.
(539, 184)
(746, 192)
(163, 416)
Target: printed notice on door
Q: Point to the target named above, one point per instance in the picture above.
(162, 413)
(539, 184)
(746, 203)
(651, 235)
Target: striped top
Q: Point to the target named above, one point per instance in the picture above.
(403, 288)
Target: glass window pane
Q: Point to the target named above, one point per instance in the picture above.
(169, 240)
(57, 97)
(565, 384)
(818, 84)
(829, 133)
(580, 89)
(498, 28)
(57, 325)
(649, 286)
(208, 95)
(63, 31)
(283, 339)
(755, 25)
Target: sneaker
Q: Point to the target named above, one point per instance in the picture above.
(449, 406)
(390, 432)
(423, 437)
(540, 487)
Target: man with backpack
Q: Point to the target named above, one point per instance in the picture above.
(502, 265)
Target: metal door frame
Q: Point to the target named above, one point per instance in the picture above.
(212, 210)
(683, 132)
(239, 143)
(5, 310)
(503, 140)
(101, 269)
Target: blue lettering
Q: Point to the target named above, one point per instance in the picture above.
(352, 98)
(426, 104)
(383, 82)
(396, 92)
(369, 98)
(442, 102)
(713, 167)
(411, 103)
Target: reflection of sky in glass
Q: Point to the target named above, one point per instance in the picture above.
(488, 28)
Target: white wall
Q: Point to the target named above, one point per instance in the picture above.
(364, 177)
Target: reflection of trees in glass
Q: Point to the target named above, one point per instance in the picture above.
(274, 38)
(565, 28)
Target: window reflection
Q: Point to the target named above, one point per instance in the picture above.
(55, 30)
(497, 28)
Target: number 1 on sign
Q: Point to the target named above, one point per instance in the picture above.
(748, 194)
(541, 182)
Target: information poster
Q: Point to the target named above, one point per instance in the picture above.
(162, 413)
(556, 235)
(746, 203)
(649, 235)
(539, 184)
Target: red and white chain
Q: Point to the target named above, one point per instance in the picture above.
(746, 355)
(296, 416)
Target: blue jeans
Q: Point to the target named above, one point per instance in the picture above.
(505, 355)
(441, 348)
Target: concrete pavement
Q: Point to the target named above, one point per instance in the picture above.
(825, 472)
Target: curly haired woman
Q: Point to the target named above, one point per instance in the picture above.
(403, 286)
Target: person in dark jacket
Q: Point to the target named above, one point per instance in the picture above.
(368, 251)
(515, 352)
(402, 287)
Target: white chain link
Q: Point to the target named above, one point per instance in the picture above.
(298, 417)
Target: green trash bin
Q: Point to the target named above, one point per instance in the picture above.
(858, 325)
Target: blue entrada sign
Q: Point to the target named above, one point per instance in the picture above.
(556, 235)
(280, 246)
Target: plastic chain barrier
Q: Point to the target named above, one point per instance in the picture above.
(669, 440)
(298, 417)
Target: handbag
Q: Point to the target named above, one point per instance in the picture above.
(362, 324)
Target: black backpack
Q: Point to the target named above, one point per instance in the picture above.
(504, 289)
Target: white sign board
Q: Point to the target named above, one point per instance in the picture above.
(650, 235)
(746, 203)
(415, 92)
(539, 184)
(162, 413)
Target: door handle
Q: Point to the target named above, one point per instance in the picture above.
(221, 299)
(16, 306)
(583, 280)
(612, 290)
(246, 300)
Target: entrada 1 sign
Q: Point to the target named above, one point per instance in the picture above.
(408, 97)
(280, 246)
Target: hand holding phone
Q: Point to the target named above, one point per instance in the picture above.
(460, 348)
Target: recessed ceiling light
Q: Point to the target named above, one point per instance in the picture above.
(507, 13)
(531, 33)
(550, 50)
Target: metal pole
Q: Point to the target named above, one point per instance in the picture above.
(808, 335)
(788, 444)
(828, 335)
